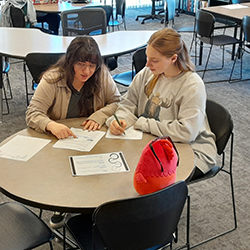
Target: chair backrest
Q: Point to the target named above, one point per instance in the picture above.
(142, 222)
(17, 17)
(204, 23)
(38, 63)
(220, 122)
(108, 9)
(246, 28)
(120, 8)
(139, 59)
(83, 21)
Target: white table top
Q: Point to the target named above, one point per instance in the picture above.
(45, 181)
(229, 12)
(18, 42)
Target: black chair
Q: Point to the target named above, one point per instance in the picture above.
(7, 88)
(21, 229)
(83, 21)
(37, 63)
(204, 34)
(245, 47)
(148, 221)
(139, 60)
(107, 8)
(87, 21)
(120, 9)
(221, 125)
(19, 19)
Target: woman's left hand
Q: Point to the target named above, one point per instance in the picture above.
(91, 125)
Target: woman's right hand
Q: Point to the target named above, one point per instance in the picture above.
(116, 129)
(59, 130)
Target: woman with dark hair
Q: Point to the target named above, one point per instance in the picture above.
(167, 98)
(78, 85)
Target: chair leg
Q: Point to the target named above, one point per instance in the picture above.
(9, 87)
(208, 57)
(187, 245)
(26, 84)
(239, 54)
(230, 173)
(51, 246)
(6, 100)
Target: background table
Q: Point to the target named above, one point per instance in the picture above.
(233, 14)
(63, 6)
(45, 181)
(18, 42)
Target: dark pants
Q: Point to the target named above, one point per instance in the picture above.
(52, 19)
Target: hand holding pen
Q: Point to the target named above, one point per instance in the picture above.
(117, 127)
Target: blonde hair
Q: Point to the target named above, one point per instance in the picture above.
(168, 42)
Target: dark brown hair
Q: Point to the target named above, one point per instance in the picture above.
(81, 49)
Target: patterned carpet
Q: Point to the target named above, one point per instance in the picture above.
(211, 207)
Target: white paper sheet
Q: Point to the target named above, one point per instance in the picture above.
(85, 142)
(235, 6)
(98, 164)
(22, 148)
(130, 134)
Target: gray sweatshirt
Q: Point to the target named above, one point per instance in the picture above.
(176, 108)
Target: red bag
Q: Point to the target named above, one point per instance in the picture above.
(156, 168)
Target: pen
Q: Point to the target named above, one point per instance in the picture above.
(118, 122)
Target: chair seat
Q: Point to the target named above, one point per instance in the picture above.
(211, 173)
(6, 67)
(220, 40)
(20, 228)
(124, 78)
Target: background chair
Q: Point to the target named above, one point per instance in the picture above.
(107, 8)
(245, 47)
(83, 21)
(120, 8)
(87, 21)
(22, 229)
(139, 60)
(37, 63)
(19, 19)
(221, 124)
(138, 223)
(204, 34)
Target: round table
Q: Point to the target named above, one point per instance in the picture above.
(45, 181)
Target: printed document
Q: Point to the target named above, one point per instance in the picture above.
(84, 142)
(98, 164)
(235, 6)
(22, 148)
(130, 134)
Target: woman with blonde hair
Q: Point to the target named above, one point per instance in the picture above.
(167, 98)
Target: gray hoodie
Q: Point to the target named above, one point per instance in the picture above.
(5, 12)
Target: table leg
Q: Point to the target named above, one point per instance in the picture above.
(1, 89)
